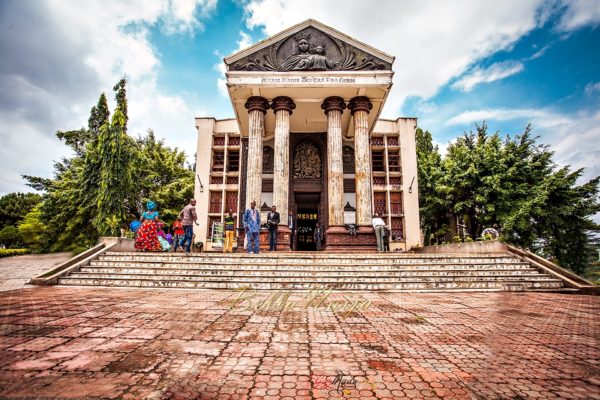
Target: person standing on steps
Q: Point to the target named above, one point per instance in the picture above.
(273, 220)
(188, 218)
(229, 232)
(292, 226)
(251, 222)
(178, 233)
(379, 226)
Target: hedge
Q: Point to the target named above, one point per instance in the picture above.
(12, 252)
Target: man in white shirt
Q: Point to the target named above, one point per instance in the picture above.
(379, 226)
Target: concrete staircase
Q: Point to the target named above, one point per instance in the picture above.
(389, 271)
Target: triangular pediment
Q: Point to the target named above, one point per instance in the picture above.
(309, 46)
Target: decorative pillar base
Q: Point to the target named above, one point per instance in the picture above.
(339, 239)
(283, 239)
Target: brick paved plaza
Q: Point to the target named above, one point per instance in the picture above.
(136, 344)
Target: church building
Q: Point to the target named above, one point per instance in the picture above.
(306, 137)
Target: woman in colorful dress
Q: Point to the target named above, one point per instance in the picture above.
(147, 238)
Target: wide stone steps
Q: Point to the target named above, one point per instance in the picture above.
(276, 260)
(390, 271)
(415, 285)
(312, 267)
(322, 278)
(179, 271)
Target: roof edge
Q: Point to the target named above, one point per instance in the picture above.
(298, 27)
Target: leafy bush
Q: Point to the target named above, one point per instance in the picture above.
(11, 237)
(12, 252)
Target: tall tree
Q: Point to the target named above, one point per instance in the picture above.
(114, 150)
(514, 183)
(432, 205)
(161, 174)
(93, 193)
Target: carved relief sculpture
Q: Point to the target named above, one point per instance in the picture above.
(310, 50)
(299, 57)
(307, 161)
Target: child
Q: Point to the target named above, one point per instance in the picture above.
(178, 233)
(162, 238)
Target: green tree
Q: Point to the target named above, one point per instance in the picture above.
(11, 237)
(114, 150)
(93, 193)
(432, 204)
(14, 207)
(36, 236)
(161, 174)
(513, 182)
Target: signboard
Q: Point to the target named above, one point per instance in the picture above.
(298, 80)
(217, 234)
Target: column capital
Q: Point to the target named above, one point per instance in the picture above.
(283, 103)
(360, 103)
(333, 103)
(257, 103)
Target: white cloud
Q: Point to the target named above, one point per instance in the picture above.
(574, 138)
(244, 41)
(591, 88)
(180, 16)
(539, 53)
(493, 73)
(579, 13)
(433, 41)
(77, 50)
(539, 118)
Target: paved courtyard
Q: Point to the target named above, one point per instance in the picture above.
(16, 271)
(174, 344)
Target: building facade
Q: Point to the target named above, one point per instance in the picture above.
(307, 138)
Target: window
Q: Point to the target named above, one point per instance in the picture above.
(377, 141)
(218, 161)
(233, 161)
(231, 201)
(396, 202)
(396, 180)
(397, 229)
(215, 202)
(234, 141)
(379, 180)
(377, 159)
(394, 160)
(392, 140)
(232, 180)
(380, 203)
(219, 141)
(216, 180)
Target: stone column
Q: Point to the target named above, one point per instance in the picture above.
(360, 107)
(334, 106)
(257, 107)
(283, 107)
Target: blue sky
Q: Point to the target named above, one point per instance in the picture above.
(457, 63)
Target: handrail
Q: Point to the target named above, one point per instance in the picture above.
(570, 279)
(51, 277)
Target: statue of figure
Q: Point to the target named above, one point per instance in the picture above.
(317, 60)
(292, 62)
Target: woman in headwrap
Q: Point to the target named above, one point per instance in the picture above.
(147, 238)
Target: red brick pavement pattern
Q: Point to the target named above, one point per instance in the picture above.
(146, 344)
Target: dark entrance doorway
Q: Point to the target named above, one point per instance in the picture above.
(307, 216)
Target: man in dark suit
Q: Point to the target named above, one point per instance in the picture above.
(272, 222)
(292, 226)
